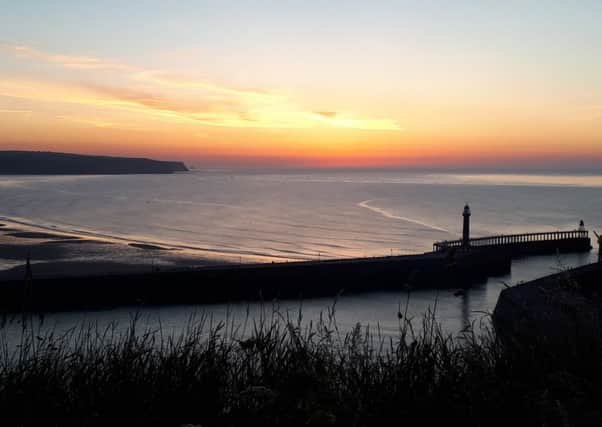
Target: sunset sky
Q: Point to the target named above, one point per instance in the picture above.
(306, 83)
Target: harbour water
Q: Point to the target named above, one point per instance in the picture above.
(248, 217)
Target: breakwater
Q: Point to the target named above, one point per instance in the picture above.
(525, 243)
(457, 264)
(295, 280)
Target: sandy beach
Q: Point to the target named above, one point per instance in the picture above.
(65, 254)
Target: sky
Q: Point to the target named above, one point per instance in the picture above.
(441, 84)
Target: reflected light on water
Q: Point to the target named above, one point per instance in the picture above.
(547, 180)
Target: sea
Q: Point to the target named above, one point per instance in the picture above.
(242, 217)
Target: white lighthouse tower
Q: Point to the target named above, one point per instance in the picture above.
(466, 227)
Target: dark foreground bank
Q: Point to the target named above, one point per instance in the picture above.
(281, 372)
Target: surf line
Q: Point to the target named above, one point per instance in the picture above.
(366, 204)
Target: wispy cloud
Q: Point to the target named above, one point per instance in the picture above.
(350, 121)
(155, 101)
(168, 79)
(98, 123)
(159, 92)
(96, 95)
(8, 111)
(90, 121)
(283, 115)
(67, 61)
(327, 114)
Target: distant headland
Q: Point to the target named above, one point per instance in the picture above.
(47, 163)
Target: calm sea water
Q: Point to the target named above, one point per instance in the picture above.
(318, 215)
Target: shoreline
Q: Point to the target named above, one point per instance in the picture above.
(29, 230)
(58, 253)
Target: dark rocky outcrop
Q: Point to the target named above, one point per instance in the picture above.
(46, 163)
(562, 309)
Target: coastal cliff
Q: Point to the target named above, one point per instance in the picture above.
(47, 163)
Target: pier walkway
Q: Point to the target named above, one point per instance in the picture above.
(576, 240)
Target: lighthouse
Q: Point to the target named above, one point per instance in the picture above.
(466, 227)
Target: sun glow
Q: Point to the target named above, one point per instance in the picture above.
(366, 94)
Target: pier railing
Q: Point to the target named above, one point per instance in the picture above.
(512, 239)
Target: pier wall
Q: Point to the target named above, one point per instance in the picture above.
(256, 282)
(546, 247)
(450, 266)
(527, 243)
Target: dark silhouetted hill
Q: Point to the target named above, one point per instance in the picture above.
(46, 163)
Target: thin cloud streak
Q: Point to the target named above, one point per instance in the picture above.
(161, 77)
(157, 102)
(213, 104)
(283, 115)
(97, 123)
(67, 61)
(349, 121)
(177, 81)
(5, 111)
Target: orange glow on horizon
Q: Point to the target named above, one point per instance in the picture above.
(106, 107)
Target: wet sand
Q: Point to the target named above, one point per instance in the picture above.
(61, 254)
(40, 235)
(148, 247)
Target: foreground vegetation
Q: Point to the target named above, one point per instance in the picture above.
(278, 371)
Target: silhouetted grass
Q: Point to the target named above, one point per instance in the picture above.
(282, 371)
